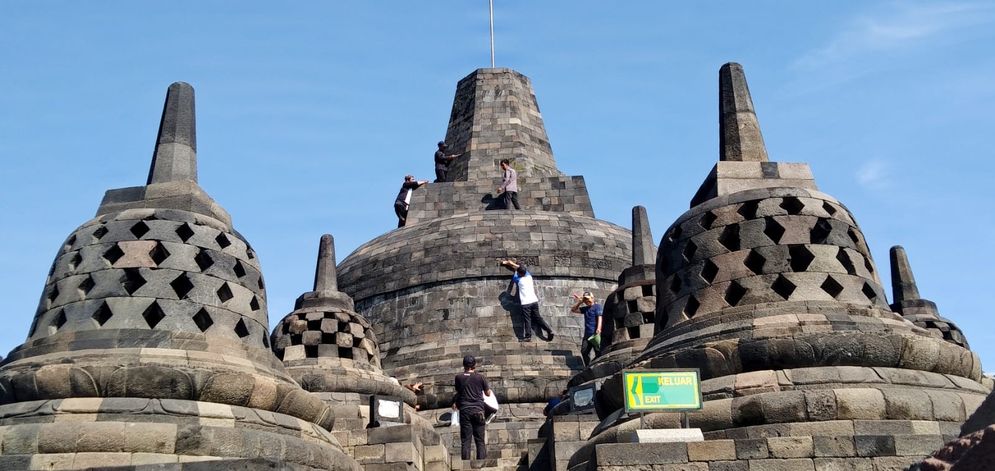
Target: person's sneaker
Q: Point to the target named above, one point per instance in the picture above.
(527, 339)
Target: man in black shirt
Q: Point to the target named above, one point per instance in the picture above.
(470, 390)
(404, 198)
(442, 161)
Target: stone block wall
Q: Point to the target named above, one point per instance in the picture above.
(495, 116)
(557, 193)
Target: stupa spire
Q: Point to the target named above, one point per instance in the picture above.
(903, 283)
(175, 156)
(643, 250)
(739, 129)
(324, 273)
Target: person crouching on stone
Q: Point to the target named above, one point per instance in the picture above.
(592, 325)
(509, 185)
(403, 199)
(471, 387)
(528, 299)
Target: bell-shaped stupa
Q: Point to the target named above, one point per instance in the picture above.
(767, 286)
(150, 344)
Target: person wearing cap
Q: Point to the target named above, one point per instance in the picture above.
(592, 324)
(442, 161)
(471, 387)
(403, 199)
(509, 185)
(528, 299)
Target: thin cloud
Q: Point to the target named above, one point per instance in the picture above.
(901, 26)
(874, 175)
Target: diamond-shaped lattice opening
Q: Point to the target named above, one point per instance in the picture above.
(53, 293)
(113, 254)
(345, 352)
(241, 330)
(868, 265)
(75, 261)
(203, 260)
(249, 253)
(311, 351)
(69, 242)
(648, 290)
(59, 321)
(261, 285)
(869, 292)
(131, 280)
(844, 259)
(735, 293)
(185, 232)
(792, 205)
(783, 287)
(773, 229)
(674, 234)
(203, 320)
(238, 269)
(749, 209)
(820, 233)
(709, 270)
(633, 332)
(632, 306)
(140, 229)
(830, 209)
(648, 317)
(266, 341)
(224, 293)
(222, 240)
(831, 286)
(853, 236)
(800, 257)
(100, 232)
(675, 285)
(254, 304)
(689, 250)
(159, 253)
(707, 220)
(730, 237)
(85, 286)
(182, 286)
(755, 262)
(691, 306)
(153, 315)
(103, 314)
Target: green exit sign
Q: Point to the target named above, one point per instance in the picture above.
(661, 390)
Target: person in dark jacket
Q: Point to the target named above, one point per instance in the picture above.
(442, 161)
(403, 199)
(471, 387)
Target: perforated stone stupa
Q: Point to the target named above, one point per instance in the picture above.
(767, 286)
(150, 344)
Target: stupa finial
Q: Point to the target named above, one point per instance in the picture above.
(903, 283)
(175, 156)
(739, 129)
(643, 250)
(324, 273)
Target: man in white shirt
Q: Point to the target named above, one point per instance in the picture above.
(528, 299)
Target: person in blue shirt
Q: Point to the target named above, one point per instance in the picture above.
(592, 324)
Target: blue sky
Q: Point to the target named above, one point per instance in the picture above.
(309, 114)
